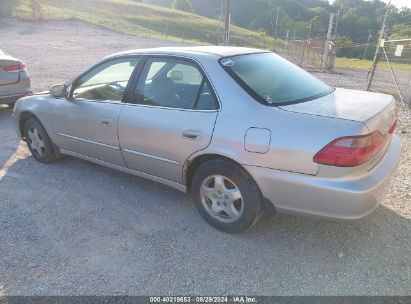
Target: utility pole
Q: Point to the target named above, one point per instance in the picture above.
(333, 44)
(305, 45)
(220, 10)
(227, 23)
(276, 23)
(336, 24)
(309, 33)
(286, 41)
(294, 34)
(378, 49)
(36, 9)
(368, 43)
(325, 63)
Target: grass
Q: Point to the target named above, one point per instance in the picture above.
(352, 63)
(130, 17)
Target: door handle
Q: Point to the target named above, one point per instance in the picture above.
(191, 134)
(106, 121)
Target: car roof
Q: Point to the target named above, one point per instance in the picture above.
(217, 51)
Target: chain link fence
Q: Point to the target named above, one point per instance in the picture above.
(307, 53)
(393, 71)
(398, 56)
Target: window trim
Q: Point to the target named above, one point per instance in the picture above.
(256, 96)
(132, 94)
(201, 88)
(72, 83)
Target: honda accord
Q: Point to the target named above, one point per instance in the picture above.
(242, 130)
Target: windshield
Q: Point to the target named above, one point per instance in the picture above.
(273, 80)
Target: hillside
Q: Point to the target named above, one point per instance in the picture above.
(357, 20)
(357, 17)
(140, 19)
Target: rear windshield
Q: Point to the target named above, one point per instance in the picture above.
(273, 80)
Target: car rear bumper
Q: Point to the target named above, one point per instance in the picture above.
(13, 98)
(9, 93)
(336, 198)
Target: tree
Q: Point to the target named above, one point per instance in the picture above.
(357, 18)
(182, 5)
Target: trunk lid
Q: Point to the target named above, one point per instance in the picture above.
(377, 111)
(7, 77)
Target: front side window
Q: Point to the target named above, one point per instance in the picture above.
(174, 83)
(107, 82)
(273, 80)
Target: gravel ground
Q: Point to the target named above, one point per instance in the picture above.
(76, 228)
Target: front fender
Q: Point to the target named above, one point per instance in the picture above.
(39, 106)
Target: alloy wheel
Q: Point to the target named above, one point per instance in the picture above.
(36, 142)
(221, 198)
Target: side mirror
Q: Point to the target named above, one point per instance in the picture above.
(59, 91)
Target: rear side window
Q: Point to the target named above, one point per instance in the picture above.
(273, 80)
(174, 83)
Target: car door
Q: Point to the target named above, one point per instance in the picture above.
(169, 115)
(86, 123)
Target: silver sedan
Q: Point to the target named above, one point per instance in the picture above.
(243, 130)
(14, 79)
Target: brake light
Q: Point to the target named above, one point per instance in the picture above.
(15, 68)
(351, 151)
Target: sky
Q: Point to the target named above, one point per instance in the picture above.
(400, 3)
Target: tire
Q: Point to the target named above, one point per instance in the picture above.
(224, 210)
(38, 141)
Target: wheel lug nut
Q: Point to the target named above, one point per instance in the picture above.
(226, 197)
(215, 195)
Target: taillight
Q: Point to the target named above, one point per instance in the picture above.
(392, 129)
(350, 151)
(15, 68)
